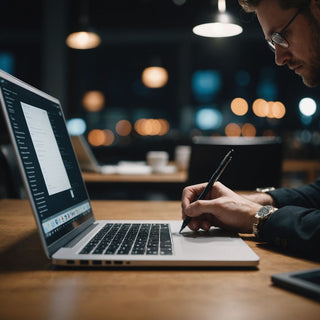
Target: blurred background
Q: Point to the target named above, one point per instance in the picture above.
(226, 86)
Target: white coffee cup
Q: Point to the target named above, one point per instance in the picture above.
(182, 157)
(157, 160)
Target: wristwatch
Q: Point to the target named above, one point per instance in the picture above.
(262, 215)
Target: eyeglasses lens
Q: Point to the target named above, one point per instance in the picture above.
(278, 39)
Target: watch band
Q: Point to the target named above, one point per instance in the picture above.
(262, 215)
(265, 189)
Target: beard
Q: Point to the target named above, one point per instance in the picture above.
(312, 79)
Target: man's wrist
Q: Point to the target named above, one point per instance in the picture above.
(261, 198)
(261, 217)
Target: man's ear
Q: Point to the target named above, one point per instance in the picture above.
(315, 8)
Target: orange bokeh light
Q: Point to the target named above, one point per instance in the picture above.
(248, 130)
(155, 77)
(151, 127)
(232, 130)
(239, 106)
(93, 101)
(96, 137)
(123, 128)
(260, 108)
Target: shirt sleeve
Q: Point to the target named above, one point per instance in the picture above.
(295, 226)
(294, 229)
(307, 196)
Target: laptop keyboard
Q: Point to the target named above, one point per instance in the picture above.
(134, 239)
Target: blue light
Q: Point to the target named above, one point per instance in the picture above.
(7, 62)
(76, 126)
(208, 119)
(205, 84)
(267, 90)
(242, 78)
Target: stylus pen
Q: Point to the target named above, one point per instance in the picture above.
(216, 175)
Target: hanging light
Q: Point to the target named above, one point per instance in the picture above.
(85, 37)
(155, 75)
(221, 25)
(83, 40)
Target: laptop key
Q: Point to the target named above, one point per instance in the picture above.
(96, 239)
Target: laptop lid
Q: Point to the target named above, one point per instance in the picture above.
(47, 162)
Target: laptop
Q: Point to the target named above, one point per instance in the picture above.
(69, 232)
(88, 161)
(86, 158)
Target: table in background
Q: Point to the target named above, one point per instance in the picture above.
(30, 288)
(169, 186)
(161, 186)
(305, 171)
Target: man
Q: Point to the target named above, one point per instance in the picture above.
(287, 218)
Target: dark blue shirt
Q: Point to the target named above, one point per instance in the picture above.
(295, 227)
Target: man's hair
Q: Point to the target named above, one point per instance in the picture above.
(251, 5)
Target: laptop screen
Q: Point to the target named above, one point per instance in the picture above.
(50, 168)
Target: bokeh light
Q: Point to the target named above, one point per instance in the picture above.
(108, 137)
(96, 137)
(307, 107)
(151, 127)
(155, 77)
(123, 128)
(270, 109)
(208, 118)
(205, 84)
(278, 110)
(248, 130)
(76, 126)
(260, 108)
(233, 130)
(93, 101)
(239, 106)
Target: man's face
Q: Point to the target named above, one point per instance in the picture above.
(303, 35)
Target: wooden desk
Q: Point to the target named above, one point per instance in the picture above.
(30, 288)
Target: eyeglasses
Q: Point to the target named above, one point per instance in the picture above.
(278, 38)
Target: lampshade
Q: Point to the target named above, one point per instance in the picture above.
(219, 25)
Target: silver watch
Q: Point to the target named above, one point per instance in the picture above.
(262, 215)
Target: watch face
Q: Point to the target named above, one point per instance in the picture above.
(264, 211)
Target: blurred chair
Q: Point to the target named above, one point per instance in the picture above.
(257, 161)
(11, 185)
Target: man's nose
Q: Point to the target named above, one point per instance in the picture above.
(281, 56)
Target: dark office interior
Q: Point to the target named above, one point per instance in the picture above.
(152, 107)
(204, 75)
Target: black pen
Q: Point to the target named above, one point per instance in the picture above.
(216, 175)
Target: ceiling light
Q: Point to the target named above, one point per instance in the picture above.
(220, 25)
(83, 40)
(84, 37)
(155, 77)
